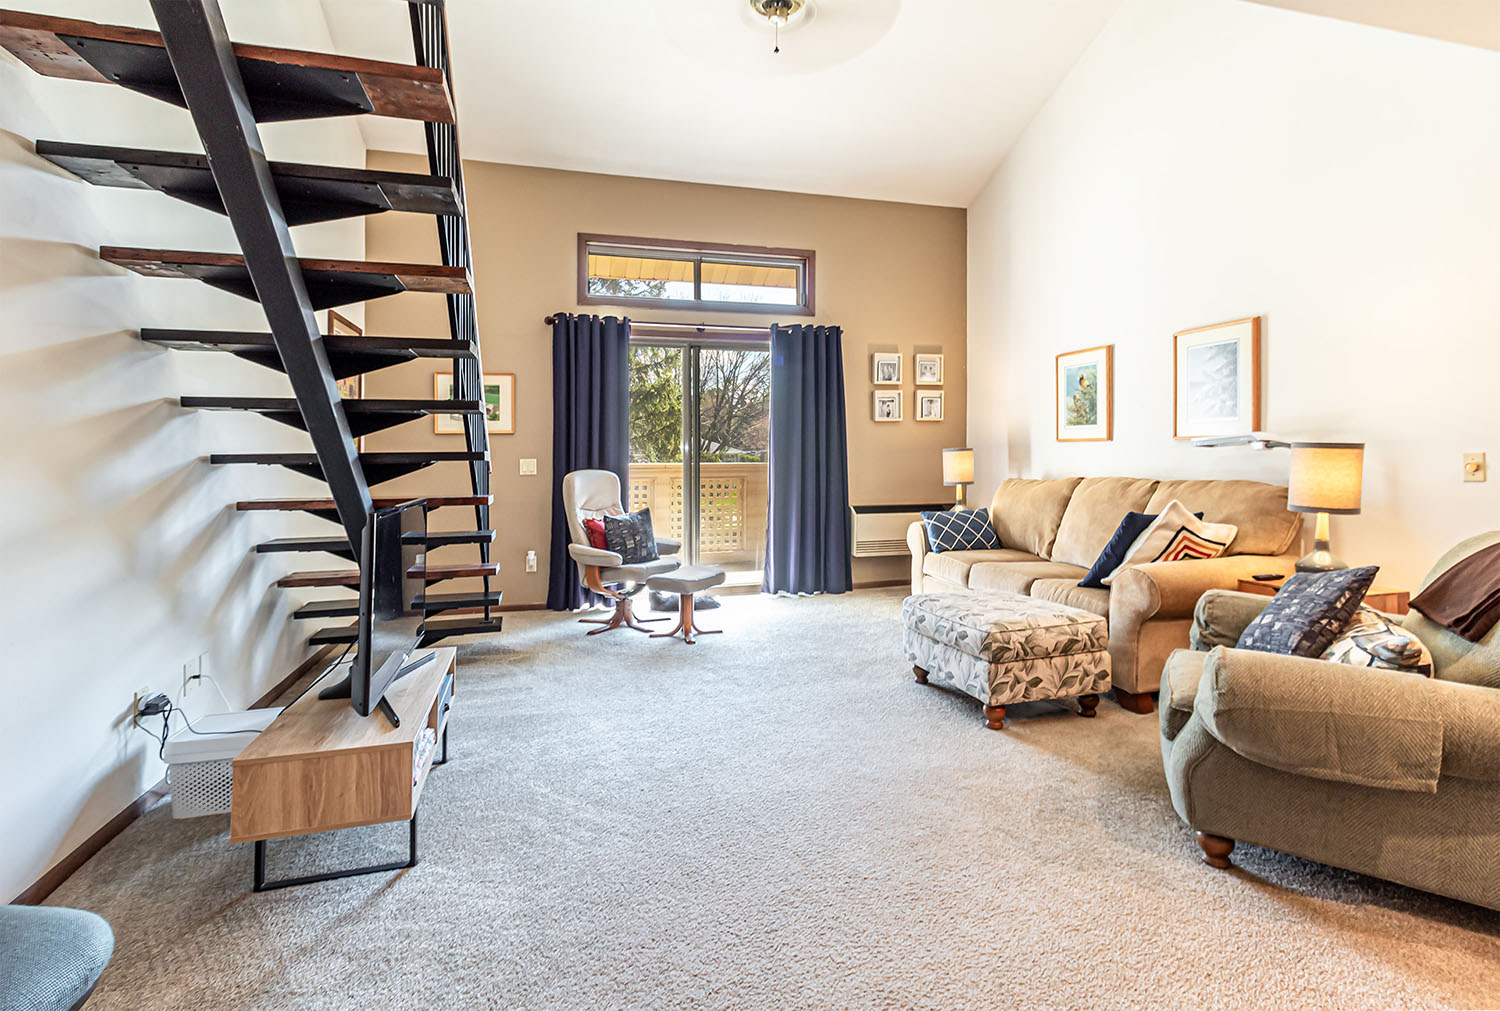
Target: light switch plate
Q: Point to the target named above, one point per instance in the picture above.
(1474, 467)
(528, 468)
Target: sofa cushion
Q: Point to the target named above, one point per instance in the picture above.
(954, 566)
(1017, 577)
(1308, 612)
(959, 530)
(1068, 592)
(1258, 510)
(1094, 514)
(1026, 512)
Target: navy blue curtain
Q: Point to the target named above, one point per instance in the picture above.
(590, 427)
(807, 531)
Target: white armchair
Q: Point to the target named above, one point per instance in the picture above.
(592, 494)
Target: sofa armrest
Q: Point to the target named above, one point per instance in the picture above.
(587, 555)
(1172, 589)
(1221, 617)
(916, 540)
(1329, 721)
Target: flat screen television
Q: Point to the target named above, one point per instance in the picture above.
(392, 587)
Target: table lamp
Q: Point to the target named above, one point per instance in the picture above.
(958, 469)
(1325, 478)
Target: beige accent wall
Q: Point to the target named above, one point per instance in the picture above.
(892, 275)
(1471, 22)
(1213, 159)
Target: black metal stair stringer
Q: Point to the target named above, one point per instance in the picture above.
(208, 74)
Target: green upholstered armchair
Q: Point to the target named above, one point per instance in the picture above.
(1378, 772)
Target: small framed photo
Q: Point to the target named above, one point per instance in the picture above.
(929, 371)
(499, 404)
(887, 405)
(885, 369)
(929, 405)
(1216, 379)
(1085, 395)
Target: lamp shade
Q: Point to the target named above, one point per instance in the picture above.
(1326, 477)
(958, 466)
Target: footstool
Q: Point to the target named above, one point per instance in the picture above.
(1004, 648)
(686, 581)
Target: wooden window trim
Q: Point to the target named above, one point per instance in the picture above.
(808, 256)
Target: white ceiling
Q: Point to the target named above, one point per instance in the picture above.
(912, 100)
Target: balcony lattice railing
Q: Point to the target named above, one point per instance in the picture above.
(731, 508)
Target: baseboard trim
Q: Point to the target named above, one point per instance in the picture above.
(75, 858)
(876, 584)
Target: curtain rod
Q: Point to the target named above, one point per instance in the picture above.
(700, 327)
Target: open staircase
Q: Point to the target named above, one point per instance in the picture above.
(229, 88)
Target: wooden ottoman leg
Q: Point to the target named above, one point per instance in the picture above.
(994, 717)
(1136, 702)
(1087, 704)
(921, 675)
(1216, 850)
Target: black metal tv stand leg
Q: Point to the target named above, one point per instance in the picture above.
(262, 885)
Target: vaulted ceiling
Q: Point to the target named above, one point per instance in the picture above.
(912, 100)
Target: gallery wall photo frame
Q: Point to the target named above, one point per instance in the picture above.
(1216, 379)
(929, 405)
(929, 369)
(499, 404)
(1085, 384)
(885, 368)
(887, 405)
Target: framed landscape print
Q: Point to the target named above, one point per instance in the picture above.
(1086, 395)
(499, 404)
(929, 405)
(929, 370)
(887, 405)
(1216, 379)
(885, 369)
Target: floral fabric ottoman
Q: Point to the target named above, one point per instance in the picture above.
(1004, 648)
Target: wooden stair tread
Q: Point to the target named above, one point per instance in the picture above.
(340, 545)
(281, 83)
(432, 277)
(435, 603)
(350, 577)
(233, 340)
(355, 406)
(307, 459)
(309, 193)
(434, 630)
(315, 504)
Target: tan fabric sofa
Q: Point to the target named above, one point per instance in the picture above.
(1377, 772)
(1051, 531)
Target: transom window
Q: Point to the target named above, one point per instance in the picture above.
(614, 270)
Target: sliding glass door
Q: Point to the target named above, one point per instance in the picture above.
(700, 426)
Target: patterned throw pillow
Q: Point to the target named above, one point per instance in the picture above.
(960, 530)
(1131, 527)
(1309, 612)
(1373, 640)
(1176, 534)
(631, 537)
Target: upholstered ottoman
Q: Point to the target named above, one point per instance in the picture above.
(1004, 648)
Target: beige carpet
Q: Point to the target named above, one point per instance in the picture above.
(776, 817)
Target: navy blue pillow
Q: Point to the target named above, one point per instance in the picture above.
(1308, 612)
(1131, 527)
(960, 530)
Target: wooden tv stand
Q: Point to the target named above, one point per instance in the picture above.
(321, 766)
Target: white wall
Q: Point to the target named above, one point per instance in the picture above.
(122, 554)
(1213, 159)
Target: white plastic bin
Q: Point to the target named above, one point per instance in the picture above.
(200, 766)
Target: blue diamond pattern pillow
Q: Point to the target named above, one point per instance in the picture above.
(960, 530)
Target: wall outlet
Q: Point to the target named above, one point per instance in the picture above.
(190, 672)
(140, 695)
(1474, 467)
(531, 561)
(528, 467)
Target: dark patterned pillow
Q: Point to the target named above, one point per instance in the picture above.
(1309, 612)
(631, 537)
(960, 530)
